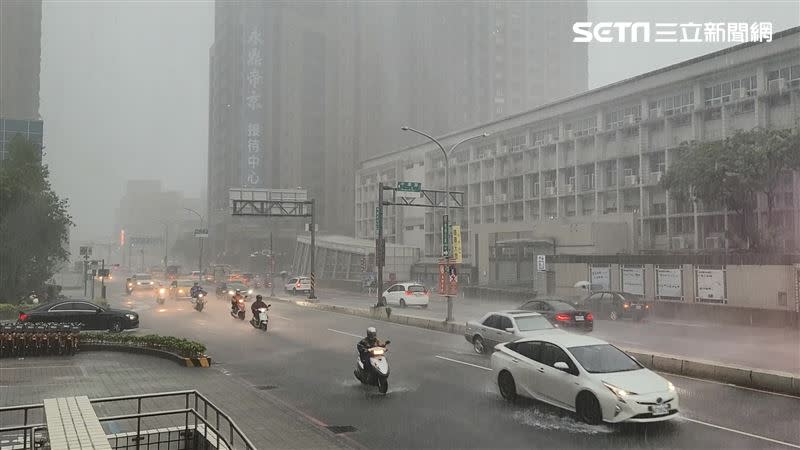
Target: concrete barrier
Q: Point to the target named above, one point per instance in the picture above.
(780, 382)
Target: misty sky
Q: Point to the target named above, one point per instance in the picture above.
(124, 87)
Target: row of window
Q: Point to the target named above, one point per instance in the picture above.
(616, 119)
(722, 92)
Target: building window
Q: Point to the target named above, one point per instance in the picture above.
(583, 127)
(625, 116)
(667, 106)
(545, 136)
(722, 92)
(660, 226)
(515, 143)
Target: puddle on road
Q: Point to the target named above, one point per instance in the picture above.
(552, 421)
(393, 389)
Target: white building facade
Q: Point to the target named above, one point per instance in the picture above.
(584, 172)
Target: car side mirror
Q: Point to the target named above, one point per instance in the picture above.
(561, 365)
(510, 330)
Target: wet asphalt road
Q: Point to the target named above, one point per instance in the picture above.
(307, 359)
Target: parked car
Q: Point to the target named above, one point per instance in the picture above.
(561, 313)
(588, 376)
(92, 316)
(298, 284)
(614, 305)
(406, 294)
(505, 326)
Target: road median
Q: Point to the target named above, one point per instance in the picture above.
(767, 380)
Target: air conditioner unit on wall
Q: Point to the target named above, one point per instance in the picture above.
(550, 190)
(631, 180)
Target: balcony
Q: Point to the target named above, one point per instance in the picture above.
(568, 189)
(653, 178)
(631, 180)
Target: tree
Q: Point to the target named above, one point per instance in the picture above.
(34, 222)
(733, 172)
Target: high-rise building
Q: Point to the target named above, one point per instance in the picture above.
(20, 55)
(301, 93)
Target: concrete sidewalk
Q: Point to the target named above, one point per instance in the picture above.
(267, 421)
(774, 349)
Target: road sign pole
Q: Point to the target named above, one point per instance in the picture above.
(103, 280)
(379, 245)
(85, 268)
(312, 294)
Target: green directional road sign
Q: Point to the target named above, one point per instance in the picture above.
(409, 186)
(445, 237)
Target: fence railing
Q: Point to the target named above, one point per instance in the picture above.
(198, 413)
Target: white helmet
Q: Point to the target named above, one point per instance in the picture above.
(372, 333)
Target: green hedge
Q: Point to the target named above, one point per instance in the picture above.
(180, 346)
(9, 311)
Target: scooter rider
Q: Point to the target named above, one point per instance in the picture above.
(259, 303)
(196, 289)
(235, 300)
(367, 343)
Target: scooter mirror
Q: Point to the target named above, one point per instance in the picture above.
(269, 305)
(388, 342)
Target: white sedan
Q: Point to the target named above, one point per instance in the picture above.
(588, 376)
(406, 294)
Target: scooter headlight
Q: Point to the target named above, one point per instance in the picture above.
(378, 352)
(162, 291)
(230, 292)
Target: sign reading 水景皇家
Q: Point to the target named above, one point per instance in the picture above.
(252, 167)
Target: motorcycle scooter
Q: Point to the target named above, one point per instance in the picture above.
(161, 295)
(262, 320)
(200, 301)
(238, 311)
(377, 372)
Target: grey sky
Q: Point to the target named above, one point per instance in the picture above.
(124, 87)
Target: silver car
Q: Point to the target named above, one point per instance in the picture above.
(506, 326)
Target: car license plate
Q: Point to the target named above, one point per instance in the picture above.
(638, 306)
(578, 318)
(660, 410)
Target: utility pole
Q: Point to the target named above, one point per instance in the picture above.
(166, 246)
(103, 280)
(271, 267)
(85, 269)
(379, 245)
(312, 295)
(141, 251)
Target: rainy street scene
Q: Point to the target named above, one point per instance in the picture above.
(399, 224)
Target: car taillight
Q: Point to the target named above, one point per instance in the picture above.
(562, 316)
(297, 285)
(589, 317)
(23, 317)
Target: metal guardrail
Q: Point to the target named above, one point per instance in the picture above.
(195, 409)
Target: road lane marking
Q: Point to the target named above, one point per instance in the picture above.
(282, 317)
(755, 436)
(730, 385)
(345, 333)
(464, 363)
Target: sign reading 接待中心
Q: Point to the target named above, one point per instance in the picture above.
(541, 263)
(252, 157)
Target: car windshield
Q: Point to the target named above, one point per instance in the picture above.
(532, 323)
(416, 288)
(143, 276)
(235, 286)
(603, 358)
(185, 283)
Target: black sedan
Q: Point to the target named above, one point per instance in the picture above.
(93, 317)
(615, 305)
(560, 313)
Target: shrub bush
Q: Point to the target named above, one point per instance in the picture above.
(180, 346)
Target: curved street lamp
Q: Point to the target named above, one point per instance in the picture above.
(446, 154)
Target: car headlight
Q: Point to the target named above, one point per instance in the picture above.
(250, 291)
(618, 392)
(180, 291)
(670, 386)
(162, 290)
(131, 316)
(130, 284)
(230, 292)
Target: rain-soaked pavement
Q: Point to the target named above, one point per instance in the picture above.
(435, 400)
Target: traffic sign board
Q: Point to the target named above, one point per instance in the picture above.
(445, 236)
(409, 186)
(456, 229)
(378, 220)
(201, 232)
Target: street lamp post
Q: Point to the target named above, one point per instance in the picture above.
(200, 243)
(446, 225)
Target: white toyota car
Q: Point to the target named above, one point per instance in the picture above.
(588, 376)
